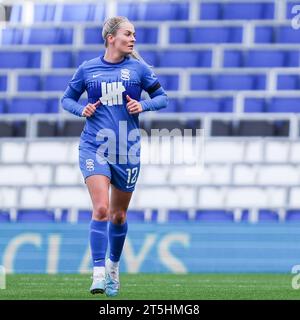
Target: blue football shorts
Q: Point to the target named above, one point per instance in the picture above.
(122, 175)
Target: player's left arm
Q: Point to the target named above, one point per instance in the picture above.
(158, 97)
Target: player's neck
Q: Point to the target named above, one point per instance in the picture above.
(113, 57)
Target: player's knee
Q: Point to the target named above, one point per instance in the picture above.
(101, 212)
(118, 216)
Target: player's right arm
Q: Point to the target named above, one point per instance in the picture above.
(73, 93)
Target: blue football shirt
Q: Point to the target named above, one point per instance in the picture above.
(111, 82)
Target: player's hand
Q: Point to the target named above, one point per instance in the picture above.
(133, 106)
(90, 109)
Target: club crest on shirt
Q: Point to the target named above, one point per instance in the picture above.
(90, 166)
(125, 74)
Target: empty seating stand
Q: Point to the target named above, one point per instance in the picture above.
(206, 60)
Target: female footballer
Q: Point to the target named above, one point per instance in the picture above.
(109, 149)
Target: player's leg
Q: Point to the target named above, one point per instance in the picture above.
(98, 186)
(117, 230)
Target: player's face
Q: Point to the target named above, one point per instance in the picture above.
(125, 38)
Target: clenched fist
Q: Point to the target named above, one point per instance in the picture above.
(133, 106)
(90, 109)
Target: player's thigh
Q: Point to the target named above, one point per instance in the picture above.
(98, 187)
(118, 205)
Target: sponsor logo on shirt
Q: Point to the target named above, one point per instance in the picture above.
(112, 93)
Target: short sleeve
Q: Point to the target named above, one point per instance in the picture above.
(149, 80)
(77, 82)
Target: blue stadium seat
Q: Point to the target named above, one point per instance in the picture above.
(129, 10)
(233, 82)
(214, 216)
(35, 216)
(163, 11)
(293, 58)
(29, 83)
(56, 82)
(245, 216)
(284, 105)
(210, 11)
(4, 216)
(3, 83)
(146, 35)
(169, 81)
(247, 11)
(265, 58)
(288, 82)
(260, 82)
(135, 216)
(154, 215)
(200, 82)
(216, 35)
(179, 35)
(92, 35)
(287, 35)
(268, 216)
(84, 55)
(25, 59)
(254, 105)
(2, 106)
(48, 36)
(53, 105)
(11, 36)
(292, 216)
(150, 57)
(200, 105)
(16, 13)
(178, 215)
(226, 104)
(77, 12)
(84, 216)
(44, 12)
(185, 58)
(64, 215)
(172, 106)
(28, 105)
(264, 34)
(232, 58)
(62, 59)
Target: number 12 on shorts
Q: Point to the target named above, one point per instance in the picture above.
(132, 175)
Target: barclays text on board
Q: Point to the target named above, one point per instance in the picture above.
(176, 248)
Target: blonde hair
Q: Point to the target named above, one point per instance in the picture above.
(111, 26)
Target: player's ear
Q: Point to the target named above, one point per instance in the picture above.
(109, 38)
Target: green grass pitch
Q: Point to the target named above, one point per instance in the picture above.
(153, 287)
